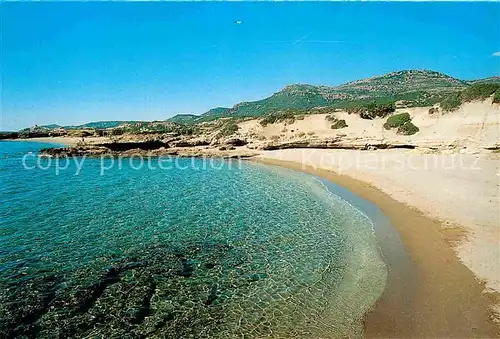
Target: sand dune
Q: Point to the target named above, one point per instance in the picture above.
(475, 126)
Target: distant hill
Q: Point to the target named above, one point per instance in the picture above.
(94, 125)
(214, 113)
(490, 80)
(211, 114)
(415, 87)
(52, 126)
(411, 87)
(183, 118)
(102, 124)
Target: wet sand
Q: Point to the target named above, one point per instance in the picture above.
(434, 297)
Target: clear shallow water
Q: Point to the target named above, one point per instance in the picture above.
(236, 250)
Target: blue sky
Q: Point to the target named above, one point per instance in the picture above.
(71, 63)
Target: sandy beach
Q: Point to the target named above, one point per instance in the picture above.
(452, 240)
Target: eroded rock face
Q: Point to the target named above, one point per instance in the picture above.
(235, 142)
(304, 143)
(333, 143)
(189, 143)
(226, 148)
(9, 135)
(226, 151)
(76, 151)
(142, 145)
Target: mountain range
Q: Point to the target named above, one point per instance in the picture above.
(410, 87)
(414, 87)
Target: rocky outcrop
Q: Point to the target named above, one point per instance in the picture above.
(76, 151)
(99, 150)
(9, 135)
(125, 146)
(237, 142)
(333, 143)
(189, 143)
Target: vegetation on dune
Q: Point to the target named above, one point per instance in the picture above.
(403, 124)
(331, 118)
(452, 102)
(433, 110)
(408, 128)
(397, 120)
(496, 97)
(336, 123)
(477, 91)
(373, 110)
(339, 124)
(229, 128)
(280, 116)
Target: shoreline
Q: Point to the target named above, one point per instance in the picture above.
(66, 141)
(441, 297)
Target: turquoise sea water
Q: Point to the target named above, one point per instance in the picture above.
(201, 248)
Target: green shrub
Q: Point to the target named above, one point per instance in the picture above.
(433, 110)
(339, 124)
(117, 131)
(408, 129)
(496, 97)
(479, 92)
(228, 129)
(397, 120)
(475, 92)
(452, 102)
(336, 123)
(331, 118)
(276, 117)
(154, 127)
(373, 110)
(354, 109)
